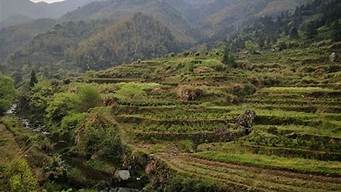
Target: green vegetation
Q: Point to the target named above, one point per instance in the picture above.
(62, 104)
(20, 177)
(7, 93)
(130, 92)
(303, 165)
(98, 136)
(257, 112)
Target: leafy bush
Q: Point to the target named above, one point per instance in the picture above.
(98, 136)
(88, 98)
(243, 90)
(61, 105)
(134, 91)
(33, 101)
(20, 177)
(7, 93)
(189, 93)
(69, 124)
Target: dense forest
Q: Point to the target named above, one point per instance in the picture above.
(171, 96)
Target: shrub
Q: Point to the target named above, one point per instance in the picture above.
(56, 168)
(189, 93)
(61, 105)
(98, 136)
(69, 124)
(20, 177)
(185, 145)
(88, 98)
(243, 90)
(134, 91)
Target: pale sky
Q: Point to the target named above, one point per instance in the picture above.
(47, 1)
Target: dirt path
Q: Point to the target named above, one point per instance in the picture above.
(257, 179)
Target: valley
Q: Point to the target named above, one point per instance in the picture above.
(202, 96)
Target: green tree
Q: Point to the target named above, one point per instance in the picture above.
(7, 93)
(34, 79)
(228, 57)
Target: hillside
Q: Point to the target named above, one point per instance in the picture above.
(258, 112)
(191, 24)
(319, 21)
(12, 38)
(214, 19)
(40, 10)
(138, 38)
(79, 46)
(177, 118)
(51, 51)
(118, 9)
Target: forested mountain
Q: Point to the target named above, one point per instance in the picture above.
(90, 37)
(117, 10)
(317, 21)
(194, 96)
(14, 37)
(141, 37)
(95, 45)
(214, 19)
(50, 51)
(26, 8)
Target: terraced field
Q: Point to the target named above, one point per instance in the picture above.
(183, 110)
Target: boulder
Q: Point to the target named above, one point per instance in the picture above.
(122, 174)
(332, 57)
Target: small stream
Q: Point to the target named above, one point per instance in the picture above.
(26, 123)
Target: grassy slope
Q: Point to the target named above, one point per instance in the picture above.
(297, 104)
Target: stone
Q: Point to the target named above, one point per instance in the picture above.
(122, 174)
(332, 57)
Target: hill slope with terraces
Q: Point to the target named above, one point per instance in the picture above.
(175, 119)
(294, 145)
(259, 112)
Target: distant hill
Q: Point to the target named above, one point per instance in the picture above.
(140, 37)
(14, 37)
(89, 35)
(117, 10)
(79, 46)
(213, 20)
(47, 49)
(227, 15)
(26, 8)
(14, 20)
(314, 22)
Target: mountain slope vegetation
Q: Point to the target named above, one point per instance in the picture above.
(12, 38)
(39, 10)
(191, 24)
(51, 51)
(93, 45)
(121, 9)
(138, 38)
(259, 111)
